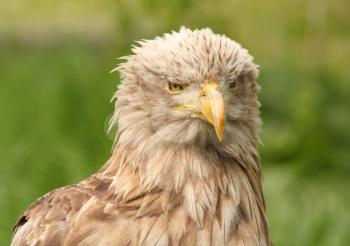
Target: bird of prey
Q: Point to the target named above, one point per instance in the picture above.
(184, 169)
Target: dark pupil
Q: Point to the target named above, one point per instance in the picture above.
(175, 86)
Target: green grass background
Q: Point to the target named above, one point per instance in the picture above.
(55, 88)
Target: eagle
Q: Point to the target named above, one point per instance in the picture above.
(184, 168)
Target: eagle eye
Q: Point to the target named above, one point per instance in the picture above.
(233, 85)
(175, 87)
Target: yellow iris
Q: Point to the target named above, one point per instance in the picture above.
(175, 87)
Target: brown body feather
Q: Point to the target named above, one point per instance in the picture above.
(225, 207)
(157, 192)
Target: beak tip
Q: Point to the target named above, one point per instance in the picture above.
(219, 129)
(220, 135)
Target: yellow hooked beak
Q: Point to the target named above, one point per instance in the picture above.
(210, 106)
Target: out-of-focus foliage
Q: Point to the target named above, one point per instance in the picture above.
(55, 58)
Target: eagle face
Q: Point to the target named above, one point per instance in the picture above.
(188, 87)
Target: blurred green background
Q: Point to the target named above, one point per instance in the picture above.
(55, 87)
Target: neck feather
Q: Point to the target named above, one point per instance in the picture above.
(203, 179)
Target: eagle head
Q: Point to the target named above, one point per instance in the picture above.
(188, 87)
